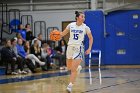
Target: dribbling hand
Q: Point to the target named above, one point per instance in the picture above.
(87, 51)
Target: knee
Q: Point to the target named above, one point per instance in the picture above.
(73, 70)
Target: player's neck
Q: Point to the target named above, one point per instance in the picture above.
(79, 23)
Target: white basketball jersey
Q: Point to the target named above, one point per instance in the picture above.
(77, 33)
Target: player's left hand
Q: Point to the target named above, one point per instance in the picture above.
(87, 51)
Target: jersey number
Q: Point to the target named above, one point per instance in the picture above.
(75, 36)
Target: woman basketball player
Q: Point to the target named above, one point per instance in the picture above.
(74, 55)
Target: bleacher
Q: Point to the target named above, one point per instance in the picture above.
(9, 21)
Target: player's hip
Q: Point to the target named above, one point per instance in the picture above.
(74, 52)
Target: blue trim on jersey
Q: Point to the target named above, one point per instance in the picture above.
(80, 53)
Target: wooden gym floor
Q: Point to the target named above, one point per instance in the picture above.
(94, 80)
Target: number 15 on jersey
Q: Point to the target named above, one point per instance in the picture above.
(75, 36)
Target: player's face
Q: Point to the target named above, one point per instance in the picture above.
(81, 18)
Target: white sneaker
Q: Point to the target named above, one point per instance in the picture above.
(23, 72)
(79, 69)
(19, 71)
(52, 63)
(69, 89)
(42, 63)
(14, 73)
(61, 68)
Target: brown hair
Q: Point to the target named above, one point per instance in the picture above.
(77, 14)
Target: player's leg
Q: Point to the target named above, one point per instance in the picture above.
(73, 61)
(74, 66)
(69, 67)
(69, 55)
(69, 64)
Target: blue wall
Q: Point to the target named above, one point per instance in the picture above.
(94, 19)
(118, 21)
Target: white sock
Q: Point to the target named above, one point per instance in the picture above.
(79, 67)
(70, 84)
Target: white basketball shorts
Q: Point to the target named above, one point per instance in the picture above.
(74, 52)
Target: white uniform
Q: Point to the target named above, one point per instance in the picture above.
(77, 34)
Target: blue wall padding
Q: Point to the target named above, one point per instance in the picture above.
(118, 21)
(94, 19)
(122, 21)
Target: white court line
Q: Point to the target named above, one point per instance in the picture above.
(90, 76)
(99, 65)
(100, 76)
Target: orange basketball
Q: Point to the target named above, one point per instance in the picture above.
(55, 35)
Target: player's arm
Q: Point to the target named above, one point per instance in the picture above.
(89, 34)
(64, 32)
(90, 40)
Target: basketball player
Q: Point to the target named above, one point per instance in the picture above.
(74, 54)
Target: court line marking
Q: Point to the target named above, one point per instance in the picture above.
(32, 77)
(36, 77)
(110, 86)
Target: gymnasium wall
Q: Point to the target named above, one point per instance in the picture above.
(121, 45)
(52, 18)
(94, 19)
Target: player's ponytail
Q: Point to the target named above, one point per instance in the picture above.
(77, 14)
